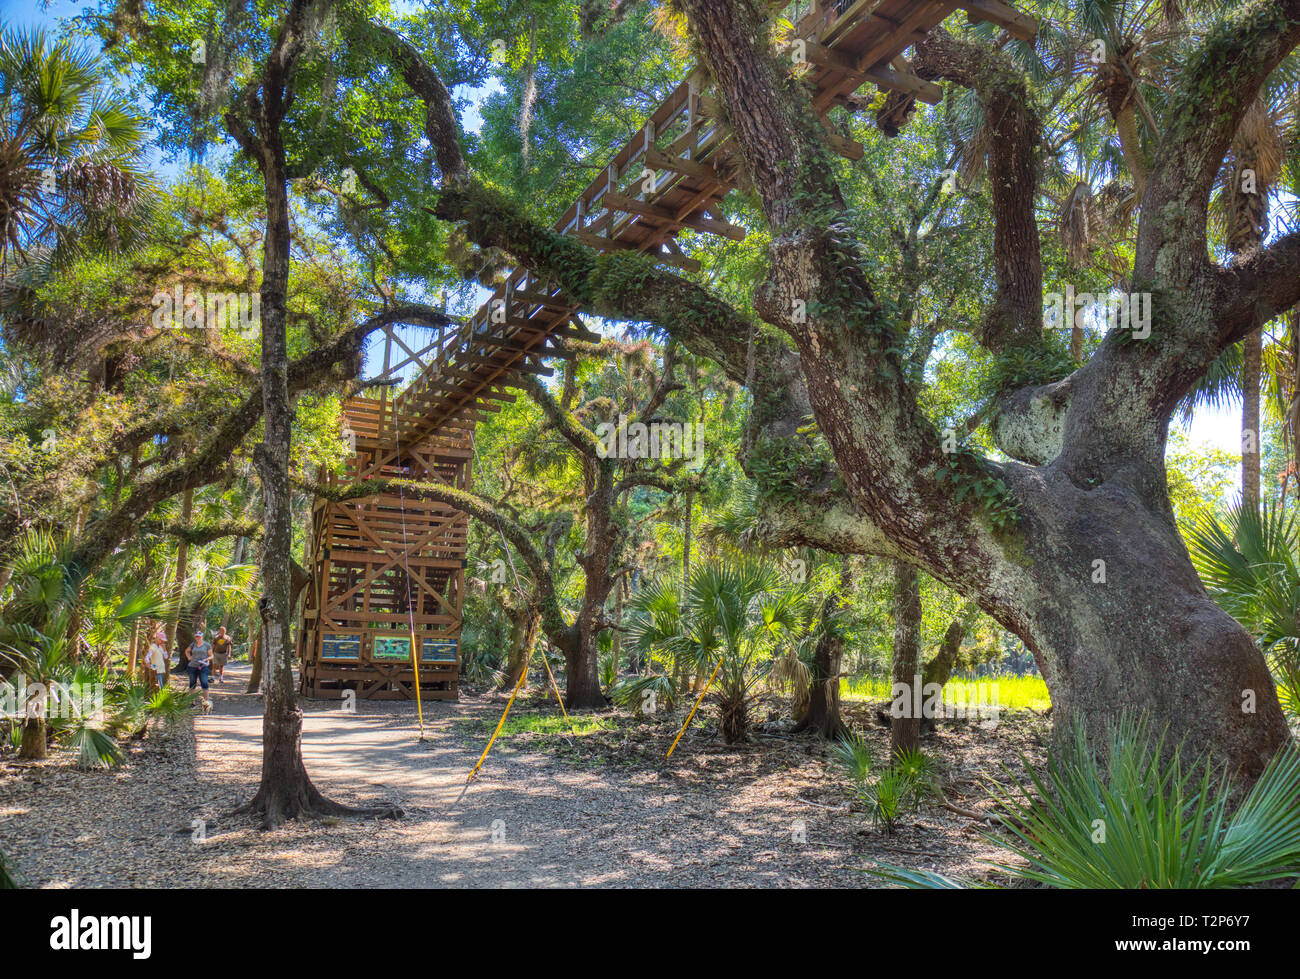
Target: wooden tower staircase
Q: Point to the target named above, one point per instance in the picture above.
(384, 569)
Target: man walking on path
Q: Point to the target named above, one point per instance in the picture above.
(200, 655)
(221, 648)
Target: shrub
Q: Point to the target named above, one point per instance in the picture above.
(888, 794)
(1143, 818)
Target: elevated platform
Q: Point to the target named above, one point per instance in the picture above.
(386, 569)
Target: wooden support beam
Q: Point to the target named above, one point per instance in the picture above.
(581, 334)
(541, 299)
(522, 367)
(901, 37)
(661, 213)
(658, 160)
(516, 346)
(848, 148)
(840, 23)
(1018, 25)
(890, 78)
(614, 245)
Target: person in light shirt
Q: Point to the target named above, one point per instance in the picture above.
(200, 658)
(156, 657)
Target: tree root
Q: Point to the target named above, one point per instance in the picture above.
(281, 803)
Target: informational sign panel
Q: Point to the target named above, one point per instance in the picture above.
(439, 650)
(392, 647)
(335, 646)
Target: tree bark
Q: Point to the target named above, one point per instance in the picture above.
(255, 656)
(1251, 380)
(1293, 412)
(823, 713)
(33, 744)
(132, 649)
(286, 791)
(939, 669)
(905, 731)
(523, 637)
(178, 582)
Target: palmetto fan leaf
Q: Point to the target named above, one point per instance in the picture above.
(68, 173)
(1249, 565)
(94, 747)
(1138, 816)
(1218, 387)
(654, 615)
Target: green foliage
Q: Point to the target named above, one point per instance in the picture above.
(727, 627)
(58, 115)
(1018, 367)
(854, 756)
(971, 479)
(94, 747)
(890, 792)
(8, 876)
(1144, 817)
(637, 693)
(1250, 564)
(1014, 692)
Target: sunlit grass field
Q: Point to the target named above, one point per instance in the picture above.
(545, 724)
(1013, 692)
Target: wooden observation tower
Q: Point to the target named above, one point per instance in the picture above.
(386, 569)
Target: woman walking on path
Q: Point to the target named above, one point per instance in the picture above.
(156, 657)
(200, 654)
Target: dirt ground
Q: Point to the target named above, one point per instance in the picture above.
(600, 809)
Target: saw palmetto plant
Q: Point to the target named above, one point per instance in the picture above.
(37, 640)
(727, 626)
(1135, 815)
(886, 793)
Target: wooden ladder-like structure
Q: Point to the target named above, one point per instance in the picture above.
(363, 606)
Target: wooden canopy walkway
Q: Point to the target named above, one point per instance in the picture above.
(387, 571)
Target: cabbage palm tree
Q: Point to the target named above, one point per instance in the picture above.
(69, 147)
(732, 617)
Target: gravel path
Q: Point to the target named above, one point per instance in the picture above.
(548, 811)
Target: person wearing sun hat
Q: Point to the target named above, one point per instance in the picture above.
(200, 655)
(156, 657)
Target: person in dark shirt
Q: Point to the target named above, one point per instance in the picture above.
(222, 645)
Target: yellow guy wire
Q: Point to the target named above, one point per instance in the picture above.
(523, 671)
(505, 545)
(410, 591)
(546, 663)
(483, 757)
(698, 701)
(415, 662)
